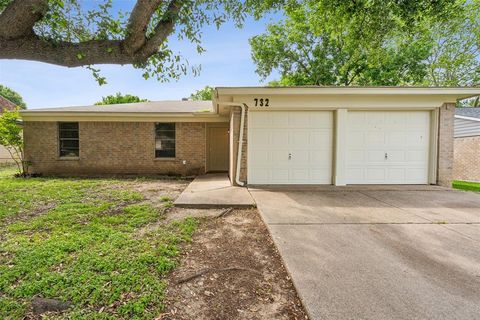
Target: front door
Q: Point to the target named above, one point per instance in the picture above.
(218, 148)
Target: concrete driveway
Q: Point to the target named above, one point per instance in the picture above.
(379, 252)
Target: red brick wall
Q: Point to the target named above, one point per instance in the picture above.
(115, 148)
(466, 165)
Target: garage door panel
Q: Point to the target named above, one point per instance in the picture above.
(395, 156)
(263, 139)
(279, 120)
(278, 175)
(261, 120)
(375, 138)
(416, 175)
(278, 139)
(356, 156)
(415, 156)
(356, 139)
(322, 139)
(299, 137)
(418, 120)
(374, 156)
(417, 138)
(320, 157)
(403, 136)
(320, 120)
(307, 136)
(300, 156)
(262, 157)
(277, 156)
(375, 119)
(396, 138)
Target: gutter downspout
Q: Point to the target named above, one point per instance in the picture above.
(243, 106)
(240, 146)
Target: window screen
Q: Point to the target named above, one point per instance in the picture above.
(68, 136)
(165, 140)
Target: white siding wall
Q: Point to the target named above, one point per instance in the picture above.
(5, 156)
(466, 128)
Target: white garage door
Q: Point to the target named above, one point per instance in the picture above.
(290, 147)
(388, 147)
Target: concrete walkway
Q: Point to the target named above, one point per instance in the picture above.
(368, 253)
(214, 191)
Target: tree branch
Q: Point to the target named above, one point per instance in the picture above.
(22, 43)
(65, 53)
(163, 28)
(138, 23)
(20, 16)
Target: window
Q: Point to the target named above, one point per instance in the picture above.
(165, 140)
(68, 136)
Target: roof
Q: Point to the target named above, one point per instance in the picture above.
(454, 92)
(170, 111)
(6, 104)
(468, 113)
(140, 107)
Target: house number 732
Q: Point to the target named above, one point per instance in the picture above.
(261, 102)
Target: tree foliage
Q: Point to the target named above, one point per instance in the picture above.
(204, 94)
(119, 99)
(78, 33)
(12, 139)
(12, 96)
(455, 56)
(386, 42)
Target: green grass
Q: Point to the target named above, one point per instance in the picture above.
(93, 242)
(465, 185)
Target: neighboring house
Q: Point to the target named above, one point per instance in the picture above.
(467, 144)
(5, 156)
(290, 135)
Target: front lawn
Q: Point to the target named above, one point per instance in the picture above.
(96, 243)
(466, 185)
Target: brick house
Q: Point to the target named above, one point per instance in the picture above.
(259, 135)
(466, 164)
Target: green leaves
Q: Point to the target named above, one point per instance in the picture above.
(10, 131)
(119, 99)
(76, 22)
(359, 43)
(203, 94)
(12, 96)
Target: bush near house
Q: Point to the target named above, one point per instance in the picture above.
(95, 243)
(466, 185)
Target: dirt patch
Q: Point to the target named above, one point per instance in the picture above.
(231, 270)
(156, 192)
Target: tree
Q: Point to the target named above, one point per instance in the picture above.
(469, 103)
(11, 138)
(119, 99)
(68, 33)
(12, 96)
(203, 94)
(455, 55)
(335, 42)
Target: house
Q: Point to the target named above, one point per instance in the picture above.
(259, 135)
(467, 144)
(5, 156)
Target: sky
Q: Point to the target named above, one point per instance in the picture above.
(226, 62)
